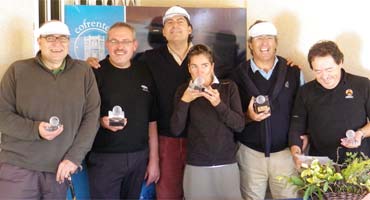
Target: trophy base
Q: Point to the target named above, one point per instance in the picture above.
(260, 108)
(117, 122)
(51, 128)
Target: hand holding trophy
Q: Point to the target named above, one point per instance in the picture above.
(117, 117)
(261, 104)
(49, 131)
(197, 84)
(54, 124)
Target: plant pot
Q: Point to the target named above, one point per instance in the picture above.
(343, 196)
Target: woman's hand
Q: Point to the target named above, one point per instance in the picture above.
(190, 95)
(212, 95)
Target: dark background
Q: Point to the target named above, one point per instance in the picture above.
(222, 29)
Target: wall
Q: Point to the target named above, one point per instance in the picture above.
(17, 24)
(196, 3)
(16, 31)
(302, 23)
(185, 3)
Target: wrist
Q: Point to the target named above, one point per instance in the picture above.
(154, 159)
(361, 133)
(295, 150)
(185, 100)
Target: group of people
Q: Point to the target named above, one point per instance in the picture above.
(194, 135)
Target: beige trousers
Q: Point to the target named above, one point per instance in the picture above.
(212, 183)
(257, 172)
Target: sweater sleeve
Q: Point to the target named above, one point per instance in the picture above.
(11, 122)
(367, 98)
(232, 115)
(180, 113)
(89, 123)
(298, 121)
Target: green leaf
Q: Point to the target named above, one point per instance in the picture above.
(326, 186)
(297, 181)
(308, 192)
(306, 195)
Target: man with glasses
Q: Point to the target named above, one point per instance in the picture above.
(118, 161)
(168, 66)
(36, 155)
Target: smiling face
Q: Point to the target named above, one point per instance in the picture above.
(54, 49)
(263, 47)
(121, 45)
(327, 71)
(176, 28)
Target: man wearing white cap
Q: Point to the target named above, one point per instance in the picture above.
(168, 65)
(36, 157)
(263, 154)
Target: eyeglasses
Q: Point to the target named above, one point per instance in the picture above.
(115, 42)
(53, 38)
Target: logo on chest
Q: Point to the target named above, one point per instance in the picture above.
(144, 88)
(286, 84)
(349, 94)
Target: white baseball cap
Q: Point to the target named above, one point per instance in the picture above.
(262, 28)
(175, 10)
(53, 27)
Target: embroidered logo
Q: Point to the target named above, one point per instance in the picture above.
(287, 84)
(349, 94)
(144, 88)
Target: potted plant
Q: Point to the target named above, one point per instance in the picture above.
(351, 180)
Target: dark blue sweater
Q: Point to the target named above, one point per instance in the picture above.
(271, 134)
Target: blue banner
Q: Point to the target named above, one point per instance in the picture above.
(89, 26)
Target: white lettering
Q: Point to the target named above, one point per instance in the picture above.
(91, 24)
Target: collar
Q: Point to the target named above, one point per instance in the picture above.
(176, 57)
(215, 80)
(54, 71)
(264, 74)
(60, 69)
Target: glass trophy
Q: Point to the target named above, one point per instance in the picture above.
(116, 117)
(308, 159)
(350, 136)
(54, 124)
(261, 104)
(197, 84)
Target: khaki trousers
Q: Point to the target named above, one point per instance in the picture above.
(258, 171)
(212, 183)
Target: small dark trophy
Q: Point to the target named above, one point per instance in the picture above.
(54, 124)
(116, 117)
(197, 84)
(261, 104)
